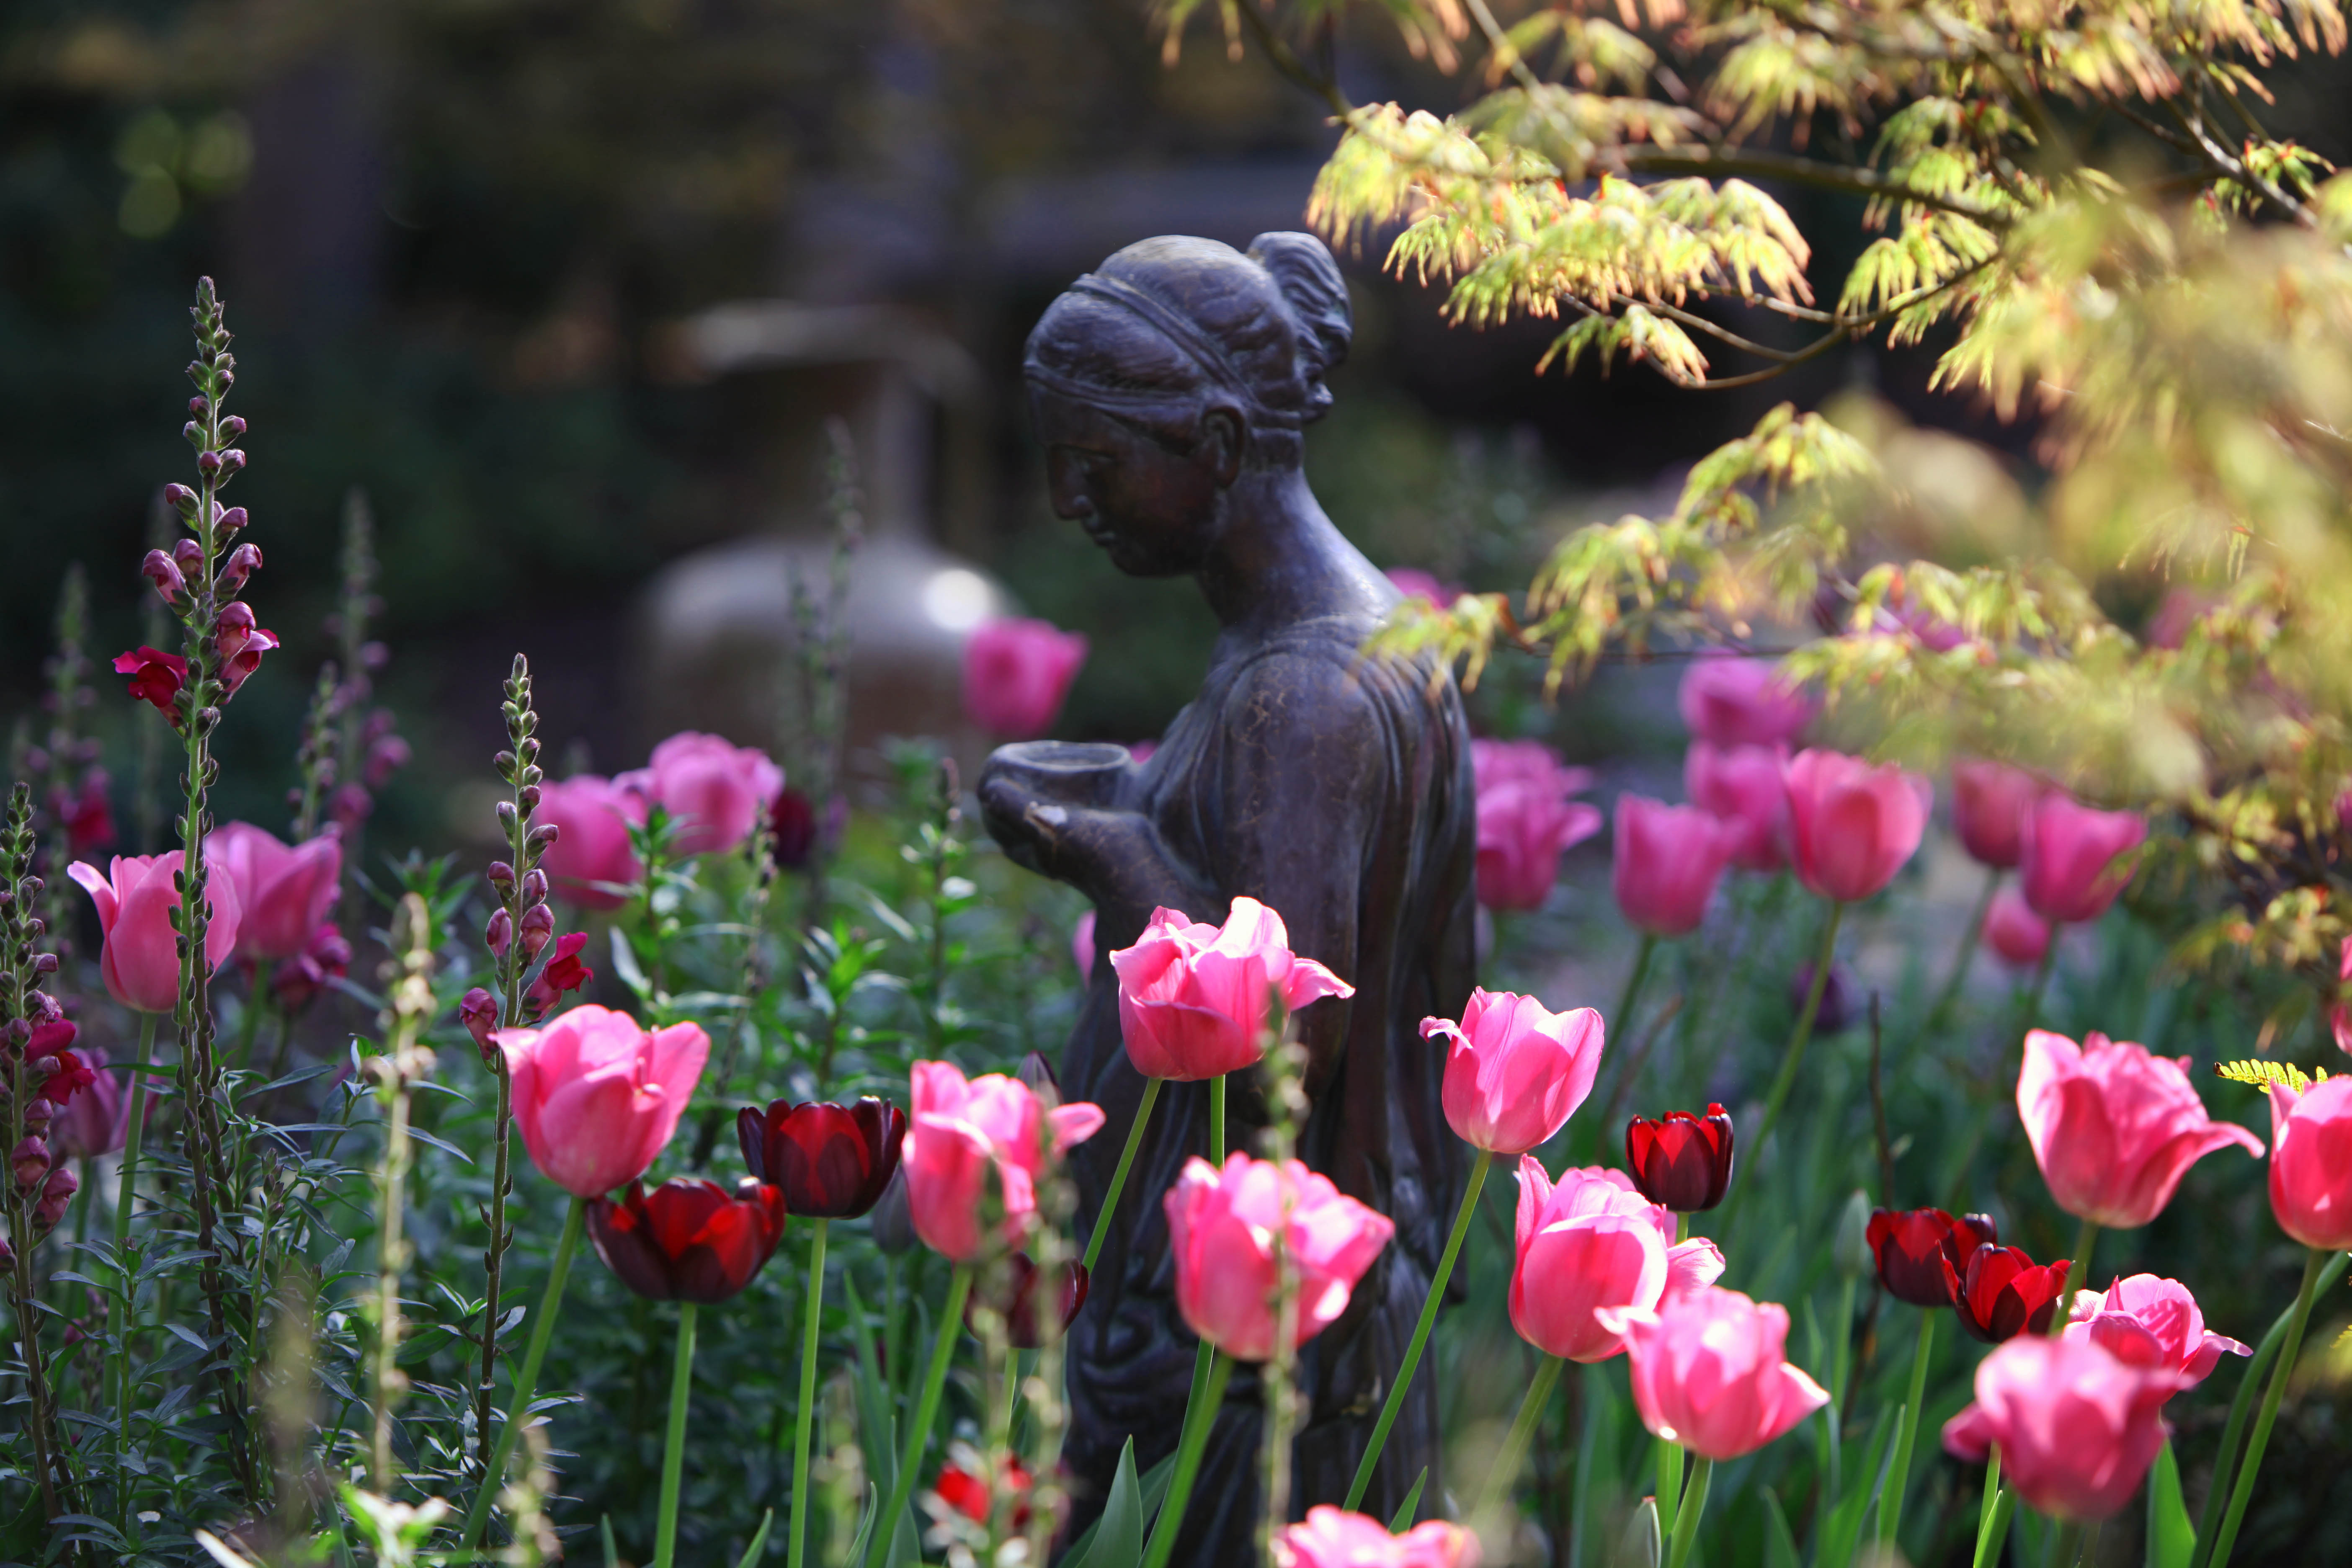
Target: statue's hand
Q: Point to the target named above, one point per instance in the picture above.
(1108, 854)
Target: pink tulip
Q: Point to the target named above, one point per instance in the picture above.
(1015, 674)
(961, 1130)
(1592, 1243)
(1666, 863)
(597, 1095)
(714, 789)
(1082, 944)
(1222, 1227)
(2311, 1163)
(1192, 997)
(1728, 700)
(2017, 936)
(1414, 583)
(1333, 1539)
(1852, 826)
(591, 861)
(1709, 1371)
(2078, 1426)
(1742, 788)
(283, 892)
(1525, 820)
(1990, 802)
(2113, 1128)
(1514, 1072)
(2152, 1322)
(2070, 853)
(141, 964)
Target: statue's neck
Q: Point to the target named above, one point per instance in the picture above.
(1278, 560)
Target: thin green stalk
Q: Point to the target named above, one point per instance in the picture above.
(1962, 959)
(117, 1307)
(1110, 1209)
(2078, 1277)
(1841, 1347)
(2065, 1546)
(1620, 1022)
(526, 1382)
(1794, 1058)
(248, 1022)
(1515, 1447)
(1405, 1369)
(681, 1384)
(1596, 1394)
(926, 1410)
(2244, 1491)
(1670, 1453)
(1686, 1517)
(815, 1313)
(1994, 1538)
(1199, 1416)
(1988, 1502)
(1898, 1478)
(1217, 1122)
(2224, 1457)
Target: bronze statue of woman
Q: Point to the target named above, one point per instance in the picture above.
(1172, 389)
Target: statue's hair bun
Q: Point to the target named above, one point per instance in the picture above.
(1317, 297)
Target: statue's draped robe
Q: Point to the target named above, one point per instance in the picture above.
(1338, 790)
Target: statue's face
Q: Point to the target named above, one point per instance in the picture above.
(1151, 508)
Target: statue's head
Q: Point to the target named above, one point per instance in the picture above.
(1179, 365)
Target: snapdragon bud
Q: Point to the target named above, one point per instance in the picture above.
(188, 555)
(182, 499)
(499, 934)
(29, 1161)
(233, 518)
(537, 930)
(233, 426)
(502, 874)
(479, 1014)
(534, 886)
(242, 562)
(160, 570)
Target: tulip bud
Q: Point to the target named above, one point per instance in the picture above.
(499, 934)
(159, 569)
(1680, 1162)
(1850, 1251)
(479, 1013)
(537, 930)
(241, 563)
(29, 1161)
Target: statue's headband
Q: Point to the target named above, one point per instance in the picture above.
(1180, 330)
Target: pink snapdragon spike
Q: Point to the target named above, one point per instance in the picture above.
(2070, 872)
(597, 1095)
(1221, 1229)
(1192, 997)
(1667, 860)
(141, 961)
(1852, 826)
(589, 863)
(1525, 820)
(284, 891)
(714, 789)
(1989, 804)
(2149, 1322)
(1588, 1243)
(2017, 936)
(2078, 1426)
(1710, 1371)
(1515, 1072)
(2113, 1127)
(2311, 1163)
(1741, 787)
(1015, 675)
(1331, 1538)
(1728, 701)
(962, 1130)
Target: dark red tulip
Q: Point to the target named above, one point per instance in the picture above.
(2005, 1293)
(1681, 1162)
(1018, 1302)
(832, 1162)
(1915, 1249)
(687, 1241)
(793, 820)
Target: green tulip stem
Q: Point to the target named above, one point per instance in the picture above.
(1942, 1007)
(118, 1306)
(1199, 1416)
(2078, 1275)
(1686, 1517)
(681, 1383)
(1620, 1022)
(543, 1329)
(1217, 1122)
(1405, 1369)
(1515, 1447)
(1987, 1506)
(1799, 1038)
(1898, 1476)
(813, 1309)
(2244, 1491)
(1110, 1209)
(926, 1410)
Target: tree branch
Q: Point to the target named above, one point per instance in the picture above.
(1763, 164)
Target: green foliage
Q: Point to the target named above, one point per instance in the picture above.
(2262, 1074)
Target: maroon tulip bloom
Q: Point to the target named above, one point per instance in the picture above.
(793, 820)
(832, 1162)
(1681, 1162)
(1918, 1251)
(1018, 1303)
(156, 677)
(2004, 1293)
(690, 1240)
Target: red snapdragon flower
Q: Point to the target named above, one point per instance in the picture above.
(156, 677)
(563, 972)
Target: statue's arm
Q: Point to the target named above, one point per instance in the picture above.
(1115, 855)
